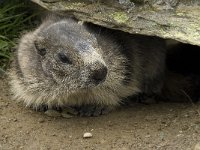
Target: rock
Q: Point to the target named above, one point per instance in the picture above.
(66, 115)
(41, 120)
(197, 146)
(87, 135)
(15, 120)
(52, 113)
(148, 136)
(178, 20)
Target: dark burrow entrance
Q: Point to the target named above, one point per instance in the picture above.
(183, 73)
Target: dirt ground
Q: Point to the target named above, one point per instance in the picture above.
(162, 126)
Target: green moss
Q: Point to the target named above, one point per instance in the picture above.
(74, 5)
(63, 5)
(119, 17)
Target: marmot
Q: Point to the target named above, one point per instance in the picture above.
(65, 63)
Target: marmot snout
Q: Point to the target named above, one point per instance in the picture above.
(65, 63)
(98, 72)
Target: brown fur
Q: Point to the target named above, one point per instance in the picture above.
(135, 64)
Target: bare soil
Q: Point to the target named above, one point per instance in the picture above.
(162, 126)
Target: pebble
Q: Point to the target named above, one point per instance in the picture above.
(179, 135)
(87, 135)
(197, 146)
(148, 136)
(186, 115)
(66, 115)
(15, 120)
(41, 120)
(52, 113)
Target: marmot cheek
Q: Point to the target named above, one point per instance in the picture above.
(46, 67)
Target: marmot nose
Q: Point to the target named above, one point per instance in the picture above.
(98, 73)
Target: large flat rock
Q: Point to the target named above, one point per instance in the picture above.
(173, 19)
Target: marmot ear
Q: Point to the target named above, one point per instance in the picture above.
(40, 48)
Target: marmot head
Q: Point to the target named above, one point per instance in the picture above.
(63, 58)
(69, 55)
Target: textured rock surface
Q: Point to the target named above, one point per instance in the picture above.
(179, 20)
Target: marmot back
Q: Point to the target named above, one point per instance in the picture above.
(64, 63)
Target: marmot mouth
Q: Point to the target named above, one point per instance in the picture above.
(90, 85)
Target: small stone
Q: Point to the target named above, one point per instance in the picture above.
(197, 146)
(41, 120)
(52, 113)
(81, 22)
(15, 120)
(87, 135)
(180, 135)
(65, 115)
(180, 131)
(53, 134)
(148, 136)
(6, 104)
(186, 116)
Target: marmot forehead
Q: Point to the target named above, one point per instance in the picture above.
(70, 37)
(67, 31)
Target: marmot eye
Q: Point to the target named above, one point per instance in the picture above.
(41, 51)
(63, 58)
